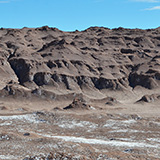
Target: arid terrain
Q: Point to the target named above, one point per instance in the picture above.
(82, 95)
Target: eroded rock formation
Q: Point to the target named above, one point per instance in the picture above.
(72, 62)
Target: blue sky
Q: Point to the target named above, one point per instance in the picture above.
(69, 15)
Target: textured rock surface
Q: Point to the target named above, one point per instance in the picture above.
(78, 104)
(150, 98)
(93, 59)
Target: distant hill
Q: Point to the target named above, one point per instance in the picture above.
(92, 60)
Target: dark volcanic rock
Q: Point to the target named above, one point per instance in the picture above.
(144, 80)
(21, 69)
(26, 134)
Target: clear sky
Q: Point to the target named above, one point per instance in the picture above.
(69, 15)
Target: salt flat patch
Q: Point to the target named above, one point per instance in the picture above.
(101, 142)
(129, 130)
(110, 123)
(125, 139)
(73, 124)
(126, 130)
(156, 123)
(6, 124)
(119, 123)
(130, 121)
(28, 117)
(154, 139)
(70, 125)
(8, 157)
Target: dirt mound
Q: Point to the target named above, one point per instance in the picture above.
(2, 108)
(15, 91)
(150, 98)
(107, 101)
(78, 104)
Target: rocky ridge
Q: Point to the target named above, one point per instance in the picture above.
(47, 62)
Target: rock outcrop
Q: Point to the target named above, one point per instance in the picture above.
(150, 98)
(78, 104)
(95, 59)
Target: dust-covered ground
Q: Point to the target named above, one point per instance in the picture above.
(106, 133)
